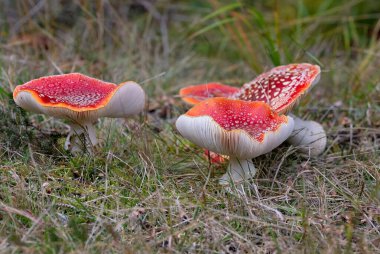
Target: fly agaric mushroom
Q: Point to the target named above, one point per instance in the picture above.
(80, 99)
(240, 129)
(308, 136)
(194, 94)
(282, 86)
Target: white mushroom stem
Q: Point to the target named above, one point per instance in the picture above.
(238, 171)
(74, 143)
(308, 136)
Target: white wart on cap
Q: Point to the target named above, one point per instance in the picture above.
(240, 129)
(80, 99)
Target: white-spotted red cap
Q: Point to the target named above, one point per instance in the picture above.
(197, 93)
(237, 128)
(282, 86)
(80, 98)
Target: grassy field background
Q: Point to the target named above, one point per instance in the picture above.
(146, 189)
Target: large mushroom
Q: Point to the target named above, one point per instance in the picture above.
(240, 129)
(81, 100)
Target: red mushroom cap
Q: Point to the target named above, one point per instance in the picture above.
(240, 129)
(198, 93)
(282, 86)
(73, 91)
(79, 98)
(255, 118)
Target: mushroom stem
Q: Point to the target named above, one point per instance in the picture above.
(81, 136)
(238, 171)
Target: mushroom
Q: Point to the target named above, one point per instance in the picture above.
(81, 100)
(194, 94)
(240, 129)
(281, 87)
(308, 136)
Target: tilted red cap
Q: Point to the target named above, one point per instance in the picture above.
(282, 86)
(198, 93)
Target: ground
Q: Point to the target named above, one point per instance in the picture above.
(146, 189)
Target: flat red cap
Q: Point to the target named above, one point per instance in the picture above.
(198, 93)
(255, 118)
(74, 91)
(280, 87)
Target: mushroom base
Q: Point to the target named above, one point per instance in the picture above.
(81, 137)
(238, 171)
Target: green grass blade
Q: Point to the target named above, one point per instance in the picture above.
(221, 10)
(211, 26)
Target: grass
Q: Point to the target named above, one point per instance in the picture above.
(146, 189)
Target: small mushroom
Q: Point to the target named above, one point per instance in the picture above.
(194, 94)
(308, 136)
(80, 99)
(240, 129)
(282, 86)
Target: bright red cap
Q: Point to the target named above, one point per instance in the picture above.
(79, 98)
(240, 129)
(74, 91)
(256, 117)
(198, 93)
(282, 86)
